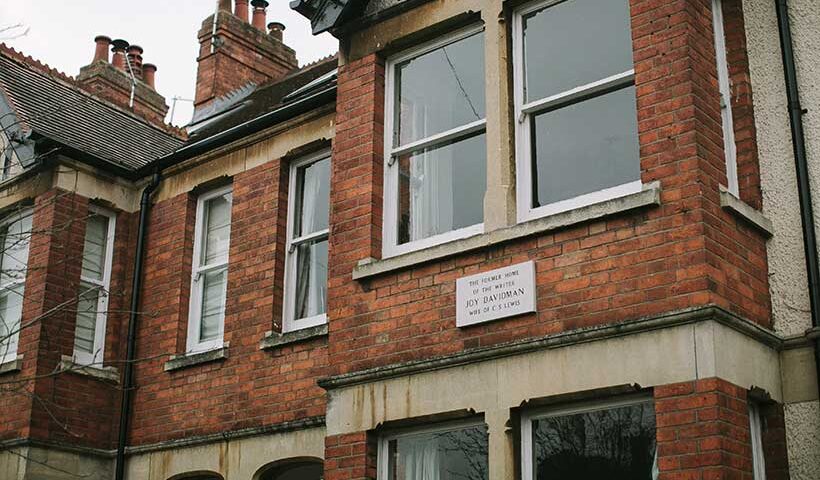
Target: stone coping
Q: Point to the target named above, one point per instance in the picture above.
(648, 197)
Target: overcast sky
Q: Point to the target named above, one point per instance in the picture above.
(61, 33)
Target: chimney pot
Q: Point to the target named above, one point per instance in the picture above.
(225, 5)
(101, 51)
(259, 14)
(149, 71)
(135, 57)
(275, 30)
(241, 10)
(118, 47)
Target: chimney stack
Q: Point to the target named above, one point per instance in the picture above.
(134, 53)
(260, 15)
(101, 51)
(241, 10)
(118, 60)
(276, 30)
(225, 5)
(112, 81)
(149, 71)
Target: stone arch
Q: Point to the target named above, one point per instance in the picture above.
(201, 475)
(299, 468)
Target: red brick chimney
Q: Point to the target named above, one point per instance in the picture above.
(113, 81)
(241, 10)
(239, 53)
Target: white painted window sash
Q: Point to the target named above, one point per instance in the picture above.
(8, 349)
(198, 272)
(290, 323)
(390, 243)
(729, 145)
(524, 113)
(383, 455)
(103, 287)
(527, 417)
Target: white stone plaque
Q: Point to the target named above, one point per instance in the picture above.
(495, 294)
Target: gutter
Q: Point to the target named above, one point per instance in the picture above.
(136, 288)
(796, 113)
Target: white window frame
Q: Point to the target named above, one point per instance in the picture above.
(756, 437)
(96, 358)
(390, 244)
(197, 273)
(523, 119)
(8, 352)
(383, 456)
(559, 411)
(289, 323)
(724, 84)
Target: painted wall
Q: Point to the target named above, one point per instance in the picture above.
(790, 302)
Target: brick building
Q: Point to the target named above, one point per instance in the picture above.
(488, 240)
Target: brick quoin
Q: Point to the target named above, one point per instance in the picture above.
(251, 388)
(686, 253)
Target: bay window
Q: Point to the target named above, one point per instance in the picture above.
(435, 147)
(15, 234)
(448, 452)
(614, 441)
(308, 230)
(212, 240)
(575, 105)
(95, 280)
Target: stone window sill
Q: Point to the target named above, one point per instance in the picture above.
(106, 374)
(746, 212)
(12, 366)
(178, 362)
(276, 340)
(649, 196)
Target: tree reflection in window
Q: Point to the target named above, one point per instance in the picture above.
(442, 455)
(616, 444)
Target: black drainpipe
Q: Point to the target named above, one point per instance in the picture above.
(796, 113)
(136, 287)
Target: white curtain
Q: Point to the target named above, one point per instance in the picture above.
(309, 293)
(422, 462)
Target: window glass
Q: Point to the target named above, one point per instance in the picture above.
(311, 279)
(86, 328)
(585, 147)
(574, 43)
(11, 309)
(213, 304)
(613, 443)
(96, 240)
(440, 90)
(442, 189)
(447, 455)
(15, 235)
(313, 197)
(217, 229)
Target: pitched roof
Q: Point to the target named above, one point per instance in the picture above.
(240, 106)
(50, 104)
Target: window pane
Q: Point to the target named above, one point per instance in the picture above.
(615, 444)
(454, 455)
(442, 189)
(14, 257)
(96, 236)
(87, 305)
(217, 229)
(11, 308)
(440, 90)
(311, 279)
(585, 147)
(312, 197)
(574, 43)
(213, 304)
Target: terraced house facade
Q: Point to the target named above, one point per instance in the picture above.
(488, 240)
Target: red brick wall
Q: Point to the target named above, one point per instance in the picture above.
(62, 406)
(688, 252)
(350, 457)
(251, 388)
